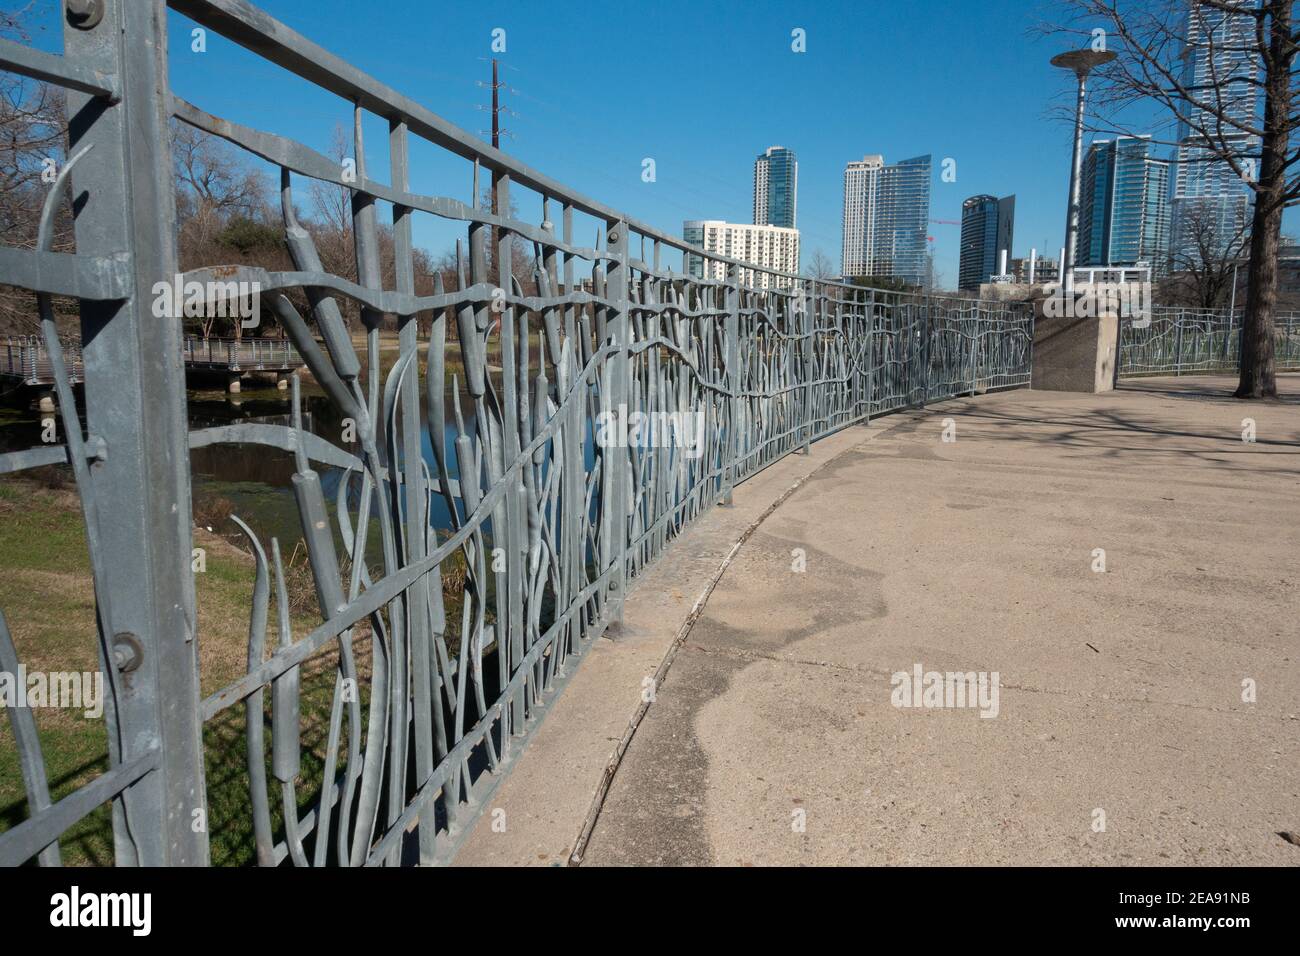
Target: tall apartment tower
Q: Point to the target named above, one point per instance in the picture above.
(886, 216)
(1210, 202)
(1124, 204)
(774, 247)
(987, 225)
(776, 188)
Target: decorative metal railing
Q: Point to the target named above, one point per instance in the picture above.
(435, 646)
(1182, 341)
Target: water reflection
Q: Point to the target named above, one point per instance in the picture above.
(257, 480)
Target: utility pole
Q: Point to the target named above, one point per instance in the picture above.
(496, 144)
(496, 86)
(496, 107)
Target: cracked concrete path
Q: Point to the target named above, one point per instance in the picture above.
(1120, 693)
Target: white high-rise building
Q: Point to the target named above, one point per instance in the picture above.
(772, 247)
(859, 213)
(886, 218)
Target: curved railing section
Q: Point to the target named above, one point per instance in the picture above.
(511, 473)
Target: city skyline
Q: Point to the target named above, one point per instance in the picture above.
(695, 175)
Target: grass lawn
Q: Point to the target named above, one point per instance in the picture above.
(46, 594)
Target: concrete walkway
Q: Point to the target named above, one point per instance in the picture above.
(773, 739)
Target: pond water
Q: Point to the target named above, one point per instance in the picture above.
(254, 480)
(251, 481)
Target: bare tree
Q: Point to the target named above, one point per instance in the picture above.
(220, 183)
(33, 140)
(820, 266)
(1203, 265)
(1153, 37)
(332, 225)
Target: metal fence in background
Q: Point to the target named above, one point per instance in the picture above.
(23, 357)
(577, 419)
(27, 359)
(1181, 341)
(249, 354)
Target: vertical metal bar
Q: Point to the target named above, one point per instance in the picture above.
(1178, 347)
(135, 402)
(731, 342)
(809, 303)
(925, 349)
(618, 509)
(871, 351)
(574, 459)
(425, 595)
(514, 539)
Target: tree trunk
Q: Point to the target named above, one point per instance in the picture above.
(1258, 371)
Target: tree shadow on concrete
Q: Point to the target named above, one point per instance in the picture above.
(1156, 431)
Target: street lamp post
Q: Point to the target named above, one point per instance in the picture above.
(1081, 62)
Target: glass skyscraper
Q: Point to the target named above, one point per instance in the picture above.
(776, 188)
(987, 224)
(1211, 202)
(886, 218)
(1124, 207)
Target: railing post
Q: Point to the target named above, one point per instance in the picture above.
(142, 485)
(1227, 339)
(925, 349)
(425, 595)
(871, 351)
(1178, 346)
(974, 345)
(731, 342)
(619, 508)
(809, 304)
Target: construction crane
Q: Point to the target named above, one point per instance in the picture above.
(947, 222)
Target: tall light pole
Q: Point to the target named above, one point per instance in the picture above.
(1081, 62)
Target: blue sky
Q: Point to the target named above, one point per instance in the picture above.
(701, 87)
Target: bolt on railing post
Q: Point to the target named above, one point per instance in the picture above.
(143, 484)
(731, 342)
(618, 509)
